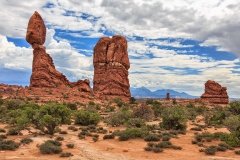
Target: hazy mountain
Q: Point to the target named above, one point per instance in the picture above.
(143, 92)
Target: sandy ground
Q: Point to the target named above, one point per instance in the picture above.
(114, 149)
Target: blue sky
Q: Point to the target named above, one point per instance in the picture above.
(175, 45)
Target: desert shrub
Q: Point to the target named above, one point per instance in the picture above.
(9, 145)
(13, 104)
(237, 152)
(132, 133)
(118, 118)
(54, 142)
(149, 101)
(157, 150)
(224, 145)
(50, 147)
(196, 129)
(63, 132)
(3, 136)
(173, 118)
(2, 130)
(13, 131)
(72, 106)
(150, 144)
(166, 138)
(176, 147)
(152, 137)
(136, 122)
(143, 112)
(222, 149)
(210, 150)
(194, 142)
(59, 138)
(164, 144)
(91, 103)
(109, 136)
(70, 145)
(190, 105)
(84, 117)
(235, 107)
(95, 139)
(233, 124)
(157, 108)
(72, 128)
(66, 154)
(118, 101)
(132, 100)
(148, 148)
(230, 139)
(26, 140)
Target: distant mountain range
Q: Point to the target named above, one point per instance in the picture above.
(161, 93)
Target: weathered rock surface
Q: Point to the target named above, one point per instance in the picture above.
(111, 64)
(44, 73)
(215, 93)
(36, 31)
(9, 89)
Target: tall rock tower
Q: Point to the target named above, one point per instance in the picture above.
(111, 64)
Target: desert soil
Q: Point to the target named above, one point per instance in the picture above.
(114, 149)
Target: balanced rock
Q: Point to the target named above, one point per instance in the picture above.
(215, 93)
(36, 31)
(111, 64)
(44, 73)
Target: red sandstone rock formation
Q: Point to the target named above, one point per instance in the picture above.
(215, 93)
(111, 64)
(168, 96)
(44, 73)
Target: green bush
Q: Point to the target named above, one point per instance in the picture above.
(9, 145)
(152, 137)
(66, 154)
(237, 152)
(132, 133)
(26, 140)
(84, 117)
(50, 147)
(118, 101)
(222, 149)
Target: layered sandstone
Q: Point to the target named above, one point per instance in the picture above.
(215, 93)
(111, 64)
(44, 73)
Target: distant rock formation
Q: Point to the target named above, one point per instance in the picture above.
(111, 64)
(44, 73)
(215, 93)
(9, 89)
(168, 96)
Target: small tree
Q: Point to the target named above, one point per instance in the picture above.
(173, 118)
(144, 111)
(52, 115)
(235, 107)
